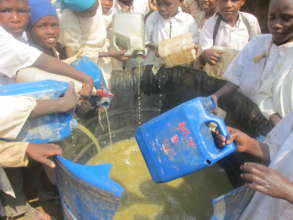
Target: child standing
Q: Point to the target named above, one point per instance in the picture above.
(229, 28)
(263, 70)
(168, 22)
(83, 32)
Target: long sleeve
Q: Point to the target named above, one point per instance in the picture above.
(13, 154)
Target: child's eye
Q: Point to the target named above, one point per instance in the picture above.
(286, 18)
(21, 10)
(6, 10)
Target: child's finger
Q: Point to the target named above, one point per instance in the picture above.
(47, 162)
(257, 187)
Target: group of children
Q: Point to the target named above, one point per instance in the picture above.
(33, 35)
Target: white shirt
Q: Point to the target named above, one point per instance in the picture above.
(15, 54)
(87, 36)
(235, 37)
(269, 81)
(261, 206)
(157, 29)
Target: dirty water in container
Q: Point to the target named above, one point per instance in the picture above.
(185, 198)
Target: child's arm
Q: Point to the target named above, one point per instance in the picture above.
(117, 54)
(245, 143)
(53, 65)
(226, 89)
(15, 154)
(267, 181)
(63, 104)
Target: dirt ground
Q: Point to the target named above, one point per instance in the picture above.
(53, 208)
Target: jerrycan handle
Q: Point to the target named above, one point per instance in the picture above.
(215, 150)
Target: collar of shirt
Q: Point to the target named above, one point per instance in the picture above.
(226, 25)
(180, 16)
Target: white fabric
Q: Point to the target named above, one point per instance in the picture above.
(32, 74)
(138, 6)
(157, 29)
(264, 73)
(109, 16)
(15, 54)
(235, 37)
(14, 115)
(281, 151)
(86, 35)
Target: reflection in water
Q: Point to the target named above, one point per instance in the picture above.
(184, 198)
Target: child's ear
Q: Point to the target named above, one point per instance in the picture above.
(242, 3)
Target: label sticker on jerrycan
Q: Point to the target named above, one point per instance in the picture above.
(180, 141)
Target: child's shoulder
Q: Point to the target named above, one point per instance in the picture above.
(248, 16)
(185, 16)
(152, 17)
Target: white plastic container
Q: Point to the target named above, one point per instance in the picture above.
(128, 33)
(178, 50)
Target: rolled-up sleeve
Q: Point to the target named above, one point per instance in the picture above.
(14, 115)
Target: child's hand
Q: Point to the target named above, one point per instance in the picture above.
(41, 152)
(87, 87)
(243, 141)
(70, 99)
(119, 55)
(212, 56)
(267, 181)
(275, 118)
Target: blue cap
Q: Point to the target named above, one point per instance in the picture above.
(78, 5)
(40, 9)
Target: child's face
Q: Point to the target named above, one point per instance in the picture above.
(229, 8)
(126, 2)
(107, 5)
(91, 12)
(14, 16)
(46, 32)
(168, 8)
(207, 5)
(280, 21)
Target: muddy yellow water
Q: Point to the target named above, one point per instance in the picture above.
(186, 198)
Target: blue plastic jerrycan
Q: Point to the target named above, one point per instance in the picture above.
(179, 141)
(87, 66)
(48, 128)
(86, 191)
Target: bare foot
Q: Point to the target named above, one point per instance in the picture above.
(70, 99)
